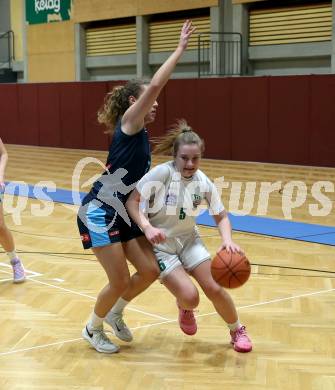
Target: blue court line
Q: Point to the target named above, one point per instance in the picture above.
(276, 228)
(244, 223)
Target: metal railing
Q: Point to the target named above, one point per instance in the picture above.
(219, 54)
(7, 55)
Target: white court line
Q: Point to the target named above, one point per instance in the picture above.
(39, 346)
(94, 298)
(31, 273)
(169, 321)
(275, 301)
(6, 280)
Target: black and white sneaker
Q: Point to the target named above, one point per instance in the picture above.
(120, 329)
(98, 339)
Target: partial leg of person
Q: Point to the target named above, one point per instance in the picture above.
(181, 286)
(224, 305)
(7, 242)
(139, 252)
(112, 259)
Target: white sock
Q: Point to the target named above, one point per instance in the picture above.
(95, 321)
(12, 255)
(234, 326)
(120, 304)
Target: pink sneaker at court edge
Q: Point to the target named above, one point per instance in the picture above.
(240, 340)
(187, 322)
(19, 275)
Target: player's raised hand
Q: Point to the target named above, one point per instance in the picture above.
(186, 31)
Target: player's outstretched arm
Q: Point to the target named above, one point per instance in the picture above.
(133, 119)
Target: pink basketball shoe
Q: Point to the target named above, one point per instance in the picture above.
(240, 340)
(187, 322)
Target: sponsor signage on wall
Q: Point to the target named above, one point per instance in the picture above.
(45, 11)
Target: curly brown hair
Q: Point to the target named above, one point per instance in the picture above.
(116, 103)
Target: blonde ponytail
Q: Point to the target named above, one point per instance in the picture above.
(179, 134)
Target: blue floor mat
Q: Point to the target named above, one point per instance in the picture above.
(247, 223)
(44, 193)
(276, 227)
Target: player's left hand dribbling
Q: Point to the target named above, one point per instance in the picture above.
(231, 247)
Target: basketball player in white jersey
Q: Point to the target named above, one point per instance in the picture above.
(173, 192)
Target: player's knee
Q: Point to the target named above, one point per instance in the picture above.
(194, 300)
(151, 273)
(213, 291)
(190, 299)
(120, 285)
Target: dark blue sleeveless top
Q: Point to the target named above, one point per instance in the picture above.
(131, 152)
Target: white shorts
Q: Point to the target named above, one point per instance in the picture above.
(185, 251)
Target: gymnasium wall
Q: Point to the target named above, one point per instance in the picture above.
(288, 119)
(16, 20)
(245, 1)
(87, 10)
(51, 52)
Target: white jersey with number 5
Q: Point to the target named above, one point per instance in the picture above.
(173, 202)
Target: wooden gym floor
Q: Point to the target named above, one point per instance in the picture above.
(287, 305)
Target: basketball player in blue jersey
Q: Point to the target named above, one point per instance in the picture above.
(6, 237)
(102, 219)
(174, 191)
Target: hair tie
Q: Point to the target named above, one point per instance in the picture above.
(186, 130)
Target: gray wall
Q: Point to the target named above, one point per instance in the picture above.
(291, 59)
(4, 26)
(300, 58)
(4, 15)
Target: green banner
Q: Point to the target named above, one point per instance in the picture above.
(45, 11)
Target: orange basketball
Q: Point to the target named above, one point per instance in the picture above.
(230, 270)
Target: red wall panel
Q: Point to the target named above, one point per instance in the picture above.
(213, 116)
(9, 123)
(28, 129)
(322, 144)
(180, 101)
(71, 116)
(289, 129)
(49, 115)
(250, 133)
(112, 84)
(287, 119)
(93, 96)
